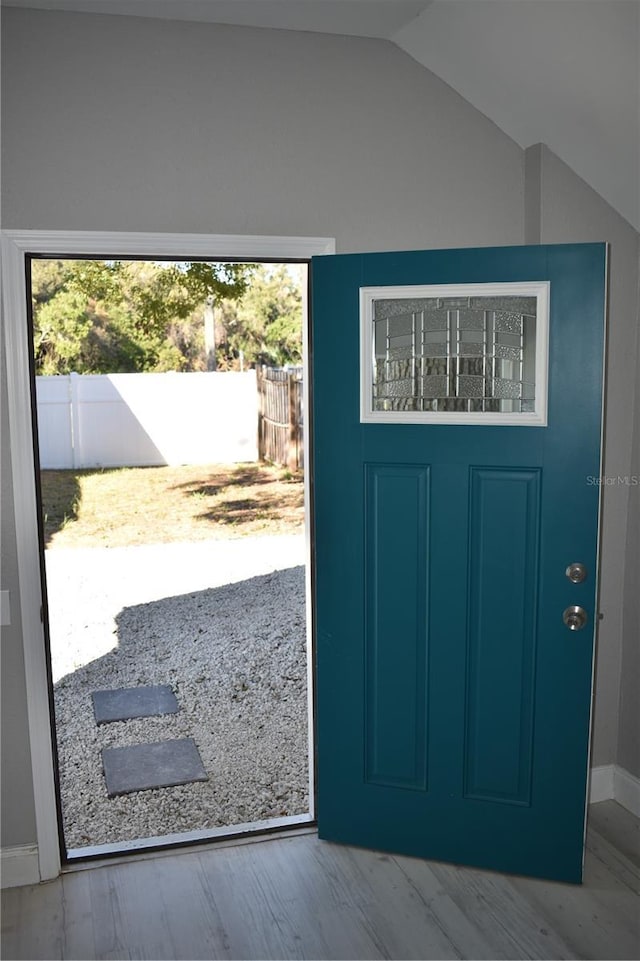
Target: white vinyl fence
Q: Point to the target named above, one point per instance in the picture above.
(136, 420)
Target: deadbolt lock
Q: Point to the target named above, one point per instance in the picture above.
(577, 573)
(574, 617)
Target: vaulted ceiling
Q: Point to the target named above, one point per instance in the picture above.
(359, 18)
(564, 72)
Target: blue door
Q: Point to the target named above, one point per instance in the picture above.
(457, 403)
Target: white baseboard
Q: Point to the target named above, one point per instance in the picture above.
(626, 790)
(601, 783)
(19, 865)
(610, 782)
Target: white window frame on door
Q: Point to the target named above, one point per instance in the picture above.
(16, 245)
(536, 418)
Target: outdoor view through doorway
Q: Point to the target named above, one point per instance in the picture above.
(170, 415)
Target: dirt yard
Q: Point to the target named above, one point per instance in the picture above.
(130, 506)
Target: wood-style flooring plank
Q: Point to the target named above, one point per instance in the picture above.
(379, 905)
(142, 906)
(619, 826)
(196, 929)
(617, 863)
(276, 908)
(414, 917)
(108, 912)
(33, 922)
(503, 917)
(77, 934)
(255, 912)
(598, 919)
(301, 898)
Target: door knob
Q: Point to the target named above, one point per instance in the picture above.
(576, 573)
(574, 617)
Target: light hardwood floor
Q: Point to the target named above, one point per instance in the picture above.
(298, 897)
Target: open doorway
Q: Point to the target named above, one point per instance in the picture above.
(205, 636)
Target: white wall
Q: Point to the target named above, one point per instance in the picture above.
(563, 73)
(135, 420)
(118, 123)
(113, 123)
(562, 208)
(629, 719)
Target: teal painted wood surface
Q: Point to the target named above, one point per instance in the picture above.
(452, 702)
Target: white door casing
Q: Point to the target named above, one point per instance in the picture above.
(16, 244)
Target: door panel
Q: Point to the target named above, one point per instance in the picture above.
(395, 636)
(504, 521)
(453, 704)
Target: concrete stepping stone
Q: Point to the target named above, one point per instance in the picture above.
(124, 703)
(142, 767)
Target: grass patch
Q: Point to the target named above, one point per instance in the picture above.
(61, 494)
(158, 505)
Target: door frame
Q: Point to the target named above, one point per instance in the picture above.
(16, 244)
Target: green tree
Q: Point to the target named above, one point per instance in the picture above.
(266, 323)
(72, 327)
(94, 316)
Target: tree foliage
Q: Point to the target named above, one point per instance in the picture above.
(265, 325)
(92, 316)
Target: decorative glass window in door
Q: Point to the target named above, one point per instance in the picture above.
(462, 354)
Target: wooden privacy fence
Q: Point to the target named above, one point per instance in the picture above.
(281, 416)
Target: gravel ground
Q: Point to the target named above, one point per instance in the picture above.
(223, 623)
